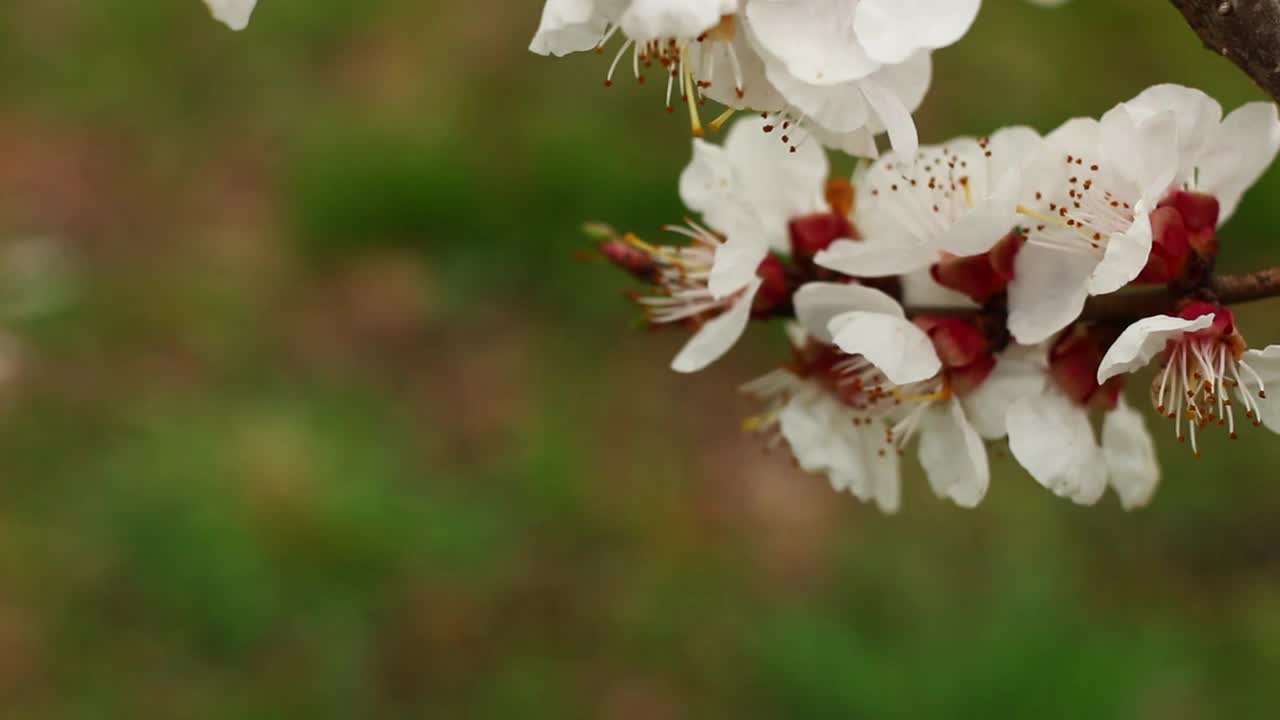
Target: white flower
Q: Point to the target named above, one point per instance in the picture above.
(682, 273)
(1090, 196)
(845, 65)
(960, 198)
(787, 58)
(699, 48)
(1203, 364)
(234, 13)
(748, 190)
(827, 436)
(894, 373)
(1052, 437)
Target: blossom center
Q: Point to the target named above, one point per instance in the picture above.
(690, 66)
(1084, 220)
(1198, 374)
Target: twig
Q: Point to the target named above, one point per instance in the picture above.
(1135, 305)
(1246, 32)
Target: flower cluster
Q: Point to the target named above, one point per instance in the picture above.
(938, 298)
(837, 71)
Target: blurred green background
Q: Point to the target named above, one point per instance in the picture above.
(315, 413)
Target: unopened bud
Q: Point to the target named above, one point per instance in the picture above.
(1170, 248)
(775, 290)
(1073, 362)
(1199, 213)
(630, 258)
(812, 234)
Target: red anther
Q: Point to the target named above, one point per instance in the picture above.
(1200, 214)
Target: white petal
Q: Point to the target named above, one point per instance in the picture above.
(1092, 480)
(1130, 455)
(1020, 372)
(806, 424)
(743, 71)
(776, 184)
(876, 258)
(1142, 340)
(953, 455)
(235, 13)
(1012, 150)
(707, 185)
(881, 464)
(894, 115)
(818, 303)
(1240, 150)
(1267, 364)
(891, 30)
(682, 19)
(859, 143)
(716, 337)
(838, 108)
(1047, 292)
(737, 260)
(996, 181)
(899, 349)
(1196, 118)
(1145, 152)
(919, 289)
(812, 39)
(1126, 255)
(1050, 436)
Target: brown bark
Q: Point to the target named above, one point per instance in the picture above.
(1127, 307)
(1246, 32)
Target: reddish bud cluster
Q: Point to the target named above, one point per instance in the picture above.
(634, 261)
(1223, 328)
(984, 277)
(964, 349)
(1074, 360)
(1183, 226)
(776, 290)
(811, 234)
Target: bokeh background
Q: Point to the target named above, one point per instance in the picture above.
(311, 409)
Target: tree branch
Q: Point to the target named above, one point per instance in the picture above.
(1247, 32)
(1128, 307)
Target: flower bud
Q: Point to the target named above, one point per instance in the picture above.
(981, 277)
(1170, 247)
(630, 258)
(1200, 216)
(775, 292)
(1073, 362)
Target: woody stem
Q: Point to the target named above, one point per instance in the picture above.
(1246, 32)
(1131, 306)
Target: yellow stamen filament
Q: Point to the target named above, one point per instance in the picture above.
(691, 95)
(719, 122)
